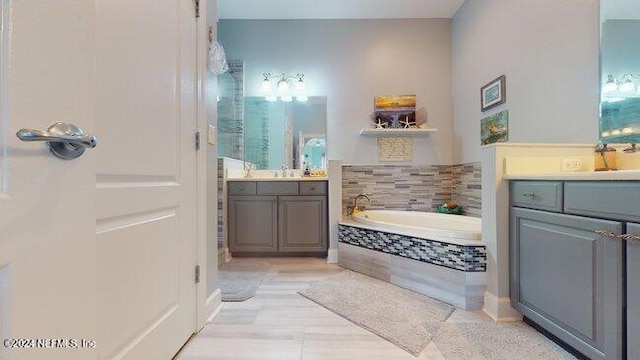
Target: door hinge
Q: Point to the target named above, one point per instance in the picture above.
(197, 4)
(197, 274)
(197, 140)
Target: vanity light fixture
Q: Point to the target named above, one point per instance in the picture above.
(624, 85)
(284, 88)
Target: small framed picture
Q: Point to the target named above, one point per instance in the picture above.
(494, 93)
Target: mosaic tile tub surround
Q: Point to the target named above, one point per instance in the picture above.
(464, 258)
(414, 188)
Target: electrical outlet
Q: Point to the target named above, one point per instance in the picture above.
(571, 164)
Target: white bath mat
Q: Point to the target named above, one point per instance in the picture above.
(240, 279)
(496, 341)
(407, 319)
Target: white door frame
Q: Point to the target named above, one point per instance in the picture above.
(207, 168)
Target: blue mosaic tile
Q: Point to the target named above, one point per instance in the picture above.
(467, 258)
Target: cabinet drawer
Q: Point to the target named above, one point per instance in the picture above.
(542, 195)
(278, 188)
(241, 188)
(613, 199)
(313, 188)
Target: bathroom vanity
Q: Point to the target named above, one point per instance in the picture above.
(575, 261)
(277, 217)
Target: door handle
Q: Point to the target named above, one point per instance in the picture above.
(606, 233)
(629, 237)
(64, 140)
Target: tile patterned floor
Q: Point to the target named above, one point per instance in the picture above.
(279, 324)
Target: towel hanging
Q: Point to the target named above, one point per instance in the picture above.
(217, 61)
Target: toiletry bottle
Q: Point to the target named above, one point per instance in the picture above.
(605, 158)
(306, 169)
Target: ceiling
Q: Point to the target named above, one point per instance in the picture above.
(337, 9)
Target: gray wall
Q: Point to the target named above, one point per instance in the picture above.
(352, 61)
(548, 49)
(620, 50)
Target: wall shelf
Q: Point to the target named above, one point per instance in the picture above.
(397, 132)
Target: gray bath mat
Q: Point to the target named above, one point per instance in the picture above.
(403, 317)
(240, 279)
(496, 341)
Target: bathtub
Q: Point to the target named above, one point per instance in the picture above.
(455, 229)
(438, 255)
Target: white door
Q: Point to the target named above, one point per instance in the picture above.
(47, 221)
(102, 247)
(145, 179)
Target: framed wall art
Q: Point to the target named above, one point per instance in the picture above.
(494, 93)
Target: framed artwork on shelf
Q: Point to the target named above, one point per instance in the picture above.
(493, 93)
(395, 112)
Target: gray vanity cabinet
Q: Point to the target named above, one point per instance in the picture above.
(303, 223)
(253, 224)
(567, 272)
(278, 217)
(633, 293)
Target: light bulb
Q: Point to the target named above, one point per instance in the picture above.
(627, 86)
(286, 98)
(283, 87)
(301, 85)
(610, 86)
(265, 87)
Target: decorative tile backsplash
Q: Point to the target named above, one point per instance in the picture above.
(467, 188)
(413, 188)
(397, 187)
(457, 257)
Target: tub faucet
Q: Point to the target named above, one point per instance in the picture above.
(355, 209)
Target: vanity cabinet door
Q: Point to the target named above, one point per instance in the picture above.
(253, 224)
(568, 279)
(633, 293)
(303, 224)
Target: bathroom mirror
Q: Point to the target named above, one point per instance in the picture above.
(291, 134)
(620, 71)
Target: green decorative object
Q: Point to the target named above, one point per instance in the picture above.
(450, 208)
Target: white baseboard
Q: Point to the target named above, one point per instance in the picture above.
(214, 301)
(332, 256)
(499, 309)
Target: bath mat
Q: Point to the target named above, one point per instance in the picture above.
(496, 341)
(239, 279)
(403, 317)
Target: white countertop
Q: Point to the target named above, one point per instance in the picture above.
(620, 175)
(306, 178)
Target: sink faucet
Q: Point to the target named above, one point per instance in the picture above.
(355, 209)
(284, 170)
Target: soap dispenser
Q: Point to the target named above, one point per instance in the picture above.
(605, 158)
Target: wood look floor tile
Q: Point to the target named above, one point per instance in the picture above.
(461, 316)
(280, 324)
